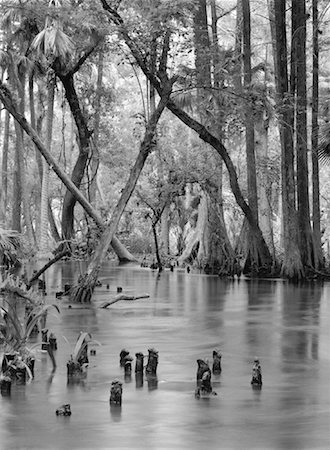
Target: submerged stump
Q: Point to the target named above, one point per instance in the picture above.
(139, 362)
(116, 392)
(151, 367)
(122, 355)
(216, 366)
(5, 385)
(256, 373)
(64, 410)
(204, 386)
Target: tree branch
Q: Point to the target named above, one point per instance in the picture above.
(83, 58)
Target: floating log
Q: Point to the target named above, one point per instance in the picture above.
(119, 297)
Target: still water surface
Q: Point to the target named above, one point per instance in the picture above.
(185, 318)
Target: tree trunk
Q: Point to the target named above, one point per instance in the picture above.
(53, 228)
(44, 248)
(4, 171)
(23, 198)
(165, 230)
(318, 259)
(95, 159)
(17, 188)
(292, 265)
(84, 290)
(209, 244)
(158, 258)
(80, 165)
(202, 60)
(249, 116)
(299, 37)
(223, 248)
(264, 183)
(196, 249)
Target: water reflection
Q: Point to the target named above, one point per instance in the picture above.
(152, 381)
(139, 380)
(115, 411)
(301, 321)
(186, 318)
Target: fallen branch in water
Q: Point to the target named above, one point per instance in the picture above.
(59, 256)
(123, 297)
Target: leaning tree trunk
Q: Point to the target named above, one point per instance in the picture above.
(158, 258)
(69, 201)
(79, 168)
(6, 98)
(84, 290)
(204, 134)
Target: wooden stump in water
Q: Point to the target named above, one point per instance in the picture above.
(5, 385)
(139, 362)
(116, 392)
(216, 367)
(151, 367)
(82, 293)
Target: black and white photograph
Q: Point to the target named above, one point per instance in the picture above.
(164, 224)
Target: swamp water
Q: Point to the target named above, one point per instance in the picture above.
(186, 317)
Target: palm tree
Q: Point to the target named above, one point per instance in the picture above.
(53, 46)
(11, 247)
(18, 32)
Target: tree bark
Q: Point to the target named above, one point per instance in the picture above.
(95, 158)
(249, 116)
(299, 46)
(80, 165)
(44, 249)
(292, 265)
(4, 170)
(318, 259)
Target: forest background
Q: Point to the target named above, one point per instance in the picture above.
(189, 130)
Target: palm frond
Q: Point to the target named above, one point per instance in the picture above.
(35, 316)
(83, 339)
(4, 59)
(14, 285)
(52, 41)
(323, 150)
(15, 337)
(184, 99)
(12, 13)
